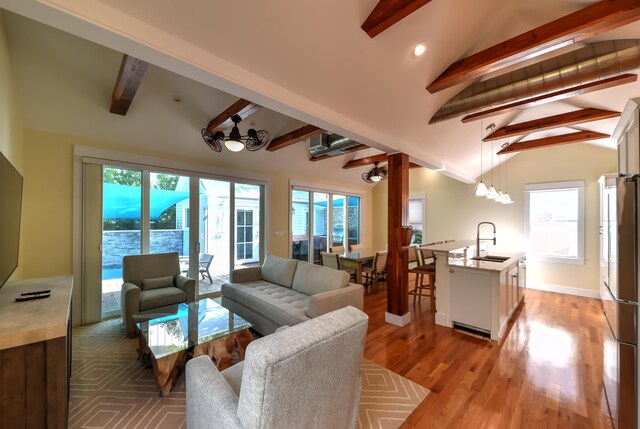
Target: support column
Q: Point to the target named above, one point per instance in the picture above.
(397, 259)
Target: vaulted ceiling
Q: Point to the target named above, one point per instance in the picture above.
(307, 63)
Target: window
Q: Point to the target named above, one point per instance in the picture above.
(554, 221)
(416, 218)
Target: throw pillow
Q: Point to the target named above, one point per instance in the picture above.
(311, 279)
(279, 270)
(157, 283)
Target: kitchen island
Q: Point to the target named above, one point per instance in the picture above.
(477, 296)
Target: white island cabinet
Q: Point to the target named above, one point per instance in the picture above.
(477, 296)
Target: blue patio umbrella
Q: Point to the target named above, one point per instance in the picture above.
(124, 202)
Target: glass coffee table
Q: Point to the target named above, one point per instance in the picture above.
(194, 329)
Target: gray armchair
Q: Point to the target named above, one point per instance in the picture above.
(152, 283)
(304, 376)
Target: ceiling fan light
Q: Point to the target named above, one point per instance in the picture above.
(234, 145)
(375, 178)
(481, 190)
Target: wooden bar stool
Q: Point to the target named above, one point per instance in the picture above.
(426, 267)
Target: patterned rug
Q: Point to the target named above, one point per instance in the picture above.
(111, 389)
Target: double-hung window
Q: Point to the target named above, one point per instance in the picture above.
(554, 221)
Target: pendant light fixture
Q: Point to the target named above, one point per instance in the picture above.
(507, 199)
(492, 194)
(481, 189)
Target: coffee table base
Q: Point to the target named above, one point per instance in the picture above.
(167, 369)
(220, 349)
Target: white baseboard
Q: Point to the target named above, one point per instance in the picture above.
(394, 319)
(441, 319)
(549, 287)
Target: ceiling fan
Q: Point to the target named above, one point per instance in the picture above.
(376, 174)
(235, 142)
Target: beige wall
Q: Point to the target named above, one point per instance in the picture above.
(453, 213)
(48, 220)
(10, 121)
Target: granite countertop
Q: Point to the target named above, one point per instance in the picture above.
(456, 251)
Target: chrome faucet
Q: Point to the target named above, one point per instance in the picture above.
(478, 236)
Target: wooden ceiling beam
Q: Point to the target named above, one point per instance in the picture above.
(550, 122)
(349, 150)
(599, 17)
(293, 137)
(370, 160)
(389, 12)
(576, 137)
(555, 96)
(242, 108)
(127, 84)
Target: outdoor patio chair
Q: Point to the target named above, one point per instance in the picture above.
(205, 263)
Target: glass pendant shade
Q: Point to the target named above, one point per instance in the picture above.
(500, 198)
(507, 200)
(493, 194)
(234, 145)
(481, 190)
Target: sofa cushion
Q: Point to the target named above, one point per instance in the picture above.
(280, 304)
(157, 283)
(160, 297)
(311, 279)
(279, 270)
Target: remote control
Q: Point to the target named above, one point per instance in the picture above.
(30, 297)
(38, 292)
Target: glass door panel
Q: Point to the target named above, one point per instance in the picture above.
(300, 224)
(247, 237)
(169, 215)
(338, 215)
(320, 225)
(121, 214)
(215, 234)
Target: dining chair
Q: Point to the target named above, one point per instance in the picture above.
(332, 260)
(336, 249)
(426, 267)
(377, 271)
(356, 247)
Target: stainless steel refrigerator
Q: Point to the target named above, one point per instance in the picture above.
(619, 293)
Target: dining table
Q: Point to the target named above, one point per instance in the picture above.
(355, 259)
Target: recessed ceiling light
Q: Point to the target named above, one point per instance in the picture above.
(420, 49)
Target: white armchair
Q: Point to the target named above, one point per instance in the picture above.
(304, 376)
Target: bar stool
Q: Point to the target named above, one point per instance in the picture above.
(426, 266)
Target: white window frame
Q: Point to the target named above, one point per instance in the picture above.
(556, 186)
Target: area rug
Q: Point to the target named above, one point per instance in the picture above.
(111, 389)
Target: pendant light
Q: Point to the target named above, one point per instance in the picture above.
(481, 189)
(501, 195)
(507, 199)
(492, 194)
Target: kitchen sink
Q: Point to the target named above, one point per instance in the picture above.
(491, 258)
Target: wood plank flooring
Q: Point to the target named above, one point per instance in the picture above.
(546, 373)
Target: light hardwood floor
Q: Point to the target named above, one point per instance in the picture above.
(546, 373)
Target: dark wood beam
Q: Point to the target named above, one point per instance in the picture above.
(369, 160)
(576, 137)
(555, 96)
(345, 151)
(550, 122)
(397, 218)
(585, 23)
(388, 12)
(127, 84)
(293, 137)
(242, 108)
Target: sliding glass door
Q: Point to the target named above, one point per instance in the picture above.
(327, 224)
(214, 234)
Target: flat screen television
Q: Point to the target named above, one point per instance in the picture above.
(10, 210)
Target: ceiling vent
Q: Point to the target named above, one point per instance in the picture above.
(330, 144)
(594, 62)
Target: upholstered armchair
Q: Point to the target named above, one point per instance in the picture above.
(152, 283)
(304, 376)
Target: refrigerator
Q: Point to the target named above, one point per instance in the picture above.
(619, 294)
